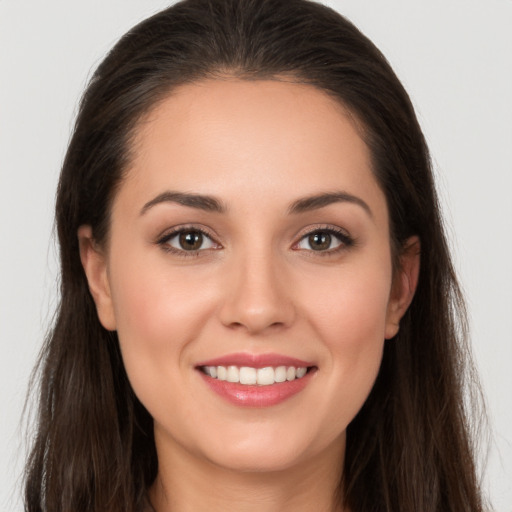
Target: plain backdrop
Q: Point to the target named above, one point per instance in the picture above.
(454, 58)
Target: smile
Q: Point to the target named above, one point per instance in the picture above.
(247, 375)
(257, 380)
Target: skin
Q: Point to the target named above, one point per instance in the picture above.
(257, 287)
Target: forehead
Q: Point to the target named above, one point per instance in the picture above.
(229, 137)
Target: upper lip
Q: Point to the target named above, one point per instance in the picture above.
(256, 361)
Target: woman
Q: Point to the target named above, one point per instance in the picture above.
(258, 305)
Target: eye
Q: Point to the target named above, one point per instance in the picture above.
(324, 240)
(187, 240)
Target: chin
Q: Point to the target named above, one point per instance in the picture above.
(270, 453)
(255, 461)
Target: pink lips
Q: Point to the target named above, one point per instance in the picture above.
(254, 395)
(256, 361)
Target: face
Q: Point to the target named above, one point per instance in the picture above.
(249, 244)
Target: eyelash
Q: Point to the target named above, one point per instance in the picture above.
(165, 239)
(345, 241)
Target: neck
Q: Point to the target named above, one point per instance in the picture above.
(186, 483)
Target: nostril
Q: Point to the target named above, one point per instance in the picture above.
(256, 310)
(254, 327)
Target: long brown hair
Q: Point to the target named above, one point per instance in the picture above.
(410, 447)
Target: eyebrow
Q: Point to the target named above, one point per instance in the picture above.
(318, 201)
(199, 201)
(211, 204)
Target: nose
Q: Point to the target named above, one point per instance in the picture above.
(258, 297)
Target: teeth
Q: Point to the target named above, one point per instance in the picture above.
(211, 371)
(247, 375)
(280, 374)
(233, 374)
(252, 376)
(301, 372)
(265, 376)
(221, 372)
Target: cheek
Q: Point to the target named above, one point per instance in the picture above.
(152, 301)
(349, 308)
(351, 321)
(158, 314)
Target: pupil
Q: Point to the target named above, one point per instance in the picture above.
(191, 240)
(320, 241)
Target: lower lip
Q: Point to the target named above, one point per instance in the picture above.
(257, 396)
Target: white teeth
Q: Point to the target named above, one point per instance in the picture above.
(301, 372)
(211, 371)
(247, 375)
(233, 374)
(221, 372)
(280, 374)
(251, 376)
(265, 376)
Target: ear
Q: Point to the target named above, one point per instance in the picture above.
(94, 262)
(404, 285)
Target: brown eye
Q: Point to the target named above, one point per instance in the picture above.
(320, 241)
(324, 240)
(190, 240)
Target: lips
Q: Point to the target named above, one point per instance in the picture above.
(261, 380)
(256, 361)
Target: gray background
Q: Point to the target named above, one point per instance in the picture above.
(454, 58)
